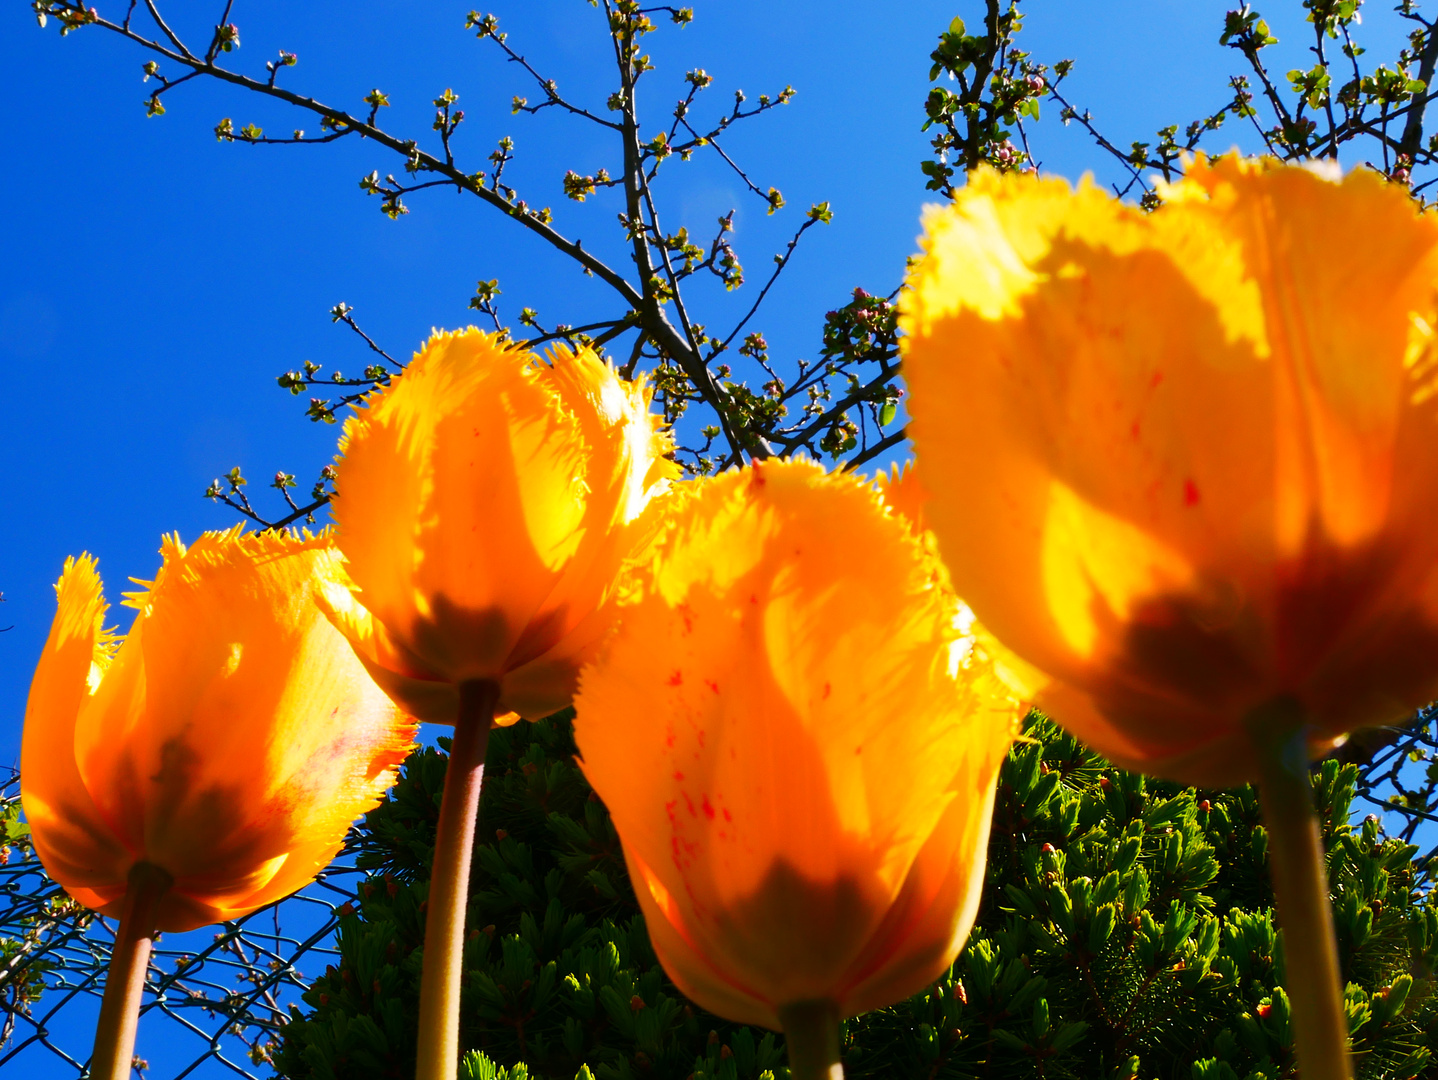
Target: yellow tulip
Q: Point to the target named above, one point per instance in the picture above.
(211, 761)
(798, 747)
(486, 503)
(1183, 464)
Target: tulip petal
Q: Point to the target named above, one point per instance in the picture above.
(397, 672)
(72, 836)
(932, 915)
(687, 966)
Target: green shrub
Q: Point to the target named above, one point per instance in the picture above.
(1126, 932)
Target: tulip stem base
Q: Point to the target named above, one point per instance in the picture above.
(811, 1031)
(125, 983)
(443, 969)
(1300, 889)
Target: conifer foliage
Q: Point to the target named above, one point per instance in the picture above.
(1126, 931)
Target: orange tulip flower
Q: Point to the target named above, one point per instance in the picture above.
(799, 750)
(1183, 463)
(211, 761)
(486, 502)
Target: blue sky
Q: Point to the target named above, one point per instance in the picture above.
(156, 281)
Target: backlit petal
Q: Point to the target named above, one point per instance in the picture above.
(1178, 460)
(72, 836)
(777, 731)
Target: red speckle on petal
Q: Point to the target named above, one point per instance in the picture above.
(1133, 431)
(679, 776)
(1157, 378)
(708, 808)
(728, 816)
(712, 685)
(827, 691)
(1190, 493)
(677, 679)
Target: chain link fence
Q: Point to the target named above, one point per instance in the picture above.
(1398, 780)
(217, 998)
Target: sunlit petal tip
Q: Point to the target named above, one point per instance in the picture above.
(81, 605)
(903, 492)
(593, 387)
(453, 356)
(172, 549)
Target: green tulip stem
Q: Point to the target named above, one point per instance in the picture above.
(1300, 889)
(443, 968)
(125, 984)
(811, 1030)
